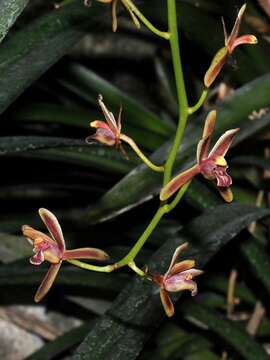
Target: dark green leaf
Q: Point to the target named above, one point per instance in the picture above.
(137, 310)
(9, 11)
(229, 331)
(22, 55)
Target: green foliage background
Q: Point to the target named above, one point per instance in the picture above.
(48, 91)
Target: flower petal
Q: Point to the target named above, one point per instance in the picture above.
(85, 253)
(166, 302)
(245, 39)
(179, 283)
(33, 234)
(215, 67)
(107, 114)
(47, 282)
(181, 266)
(192, 273)
(104, 136)
(235, 31)
(38, 258)
(177, 182)
(224, 142)
(176, 255)
(100, 124)
(203, 145)
(226, 193)
(54, 227)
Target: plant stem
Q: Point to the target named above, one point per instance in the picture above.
(184, 112)
(201, 100)
(86, 266)
(134, 146)
(180, 86)
(129, 5)
(135, 268)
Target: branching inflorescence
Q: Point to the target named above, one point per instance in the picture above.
(211, 164)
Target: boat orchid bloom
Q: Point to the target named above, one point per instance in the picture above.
(212, 165)
(178, 277)
(53, 249)
(127, 4)
(231, 42)
(109, 133)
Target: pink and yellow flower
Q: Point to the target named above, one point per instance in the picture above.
(53, 249)
(231, 42)
(178, 277)
(212, 165)
(109, 132)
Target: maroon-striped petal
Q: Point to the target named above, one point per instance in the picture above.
(166, 302)
(177, 182)
(85, 253)
(47, 282)
(54, 227)
(204, 143)
(223, 144)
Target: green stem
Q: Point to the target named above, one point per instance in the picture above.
(83, 265)
(129, 258)
(135, 268)
(129, 5)
(134, 146)
(184, 112)
(201, 100)
(180, 86)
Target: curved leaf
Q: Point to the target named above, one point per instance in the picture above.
(137, 311)
(22, 55)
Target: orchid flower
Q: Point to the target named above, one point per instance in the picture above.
(128, 7)
(178, 277)
(109, 133)
(231, 42)
(53, 249)
(212, 165)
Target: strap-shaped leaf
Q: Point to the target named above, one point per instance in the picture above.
(137, 310)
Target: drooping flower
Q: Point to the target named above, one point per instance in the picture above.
(178, 277)
(108, 133)
(126, 4)
(212, 165)
(231, 42)
(53, 249)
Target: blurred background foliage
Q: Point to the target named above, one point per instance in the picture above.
(53, 64)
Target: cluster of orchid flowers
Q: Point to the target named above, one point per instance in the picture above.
(210, 163)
